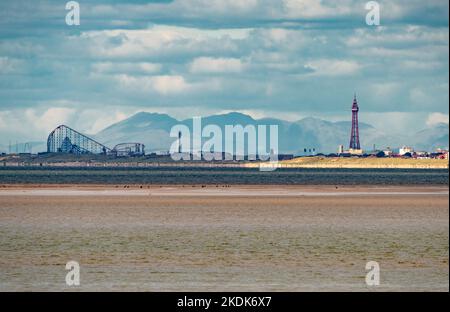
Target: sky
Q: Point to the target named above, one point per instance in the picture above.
(288, 59)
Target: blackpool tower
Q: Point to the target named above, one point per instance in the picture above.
(354, 138)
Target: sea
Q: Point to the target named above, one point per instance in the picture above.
(211, 176)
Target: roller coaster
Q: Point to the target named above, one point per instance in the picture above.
(67, 140)
(129, 149)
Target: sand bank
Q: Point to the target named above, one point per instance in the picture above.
(180, 240)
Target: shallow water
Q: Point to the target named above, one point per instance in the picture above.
(224, 243)
(234, 176)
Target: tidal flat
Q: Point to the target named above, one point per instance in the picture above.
(256, 238)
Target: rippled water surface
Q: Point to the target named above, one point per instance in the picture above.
(235, 176)
(151, 243)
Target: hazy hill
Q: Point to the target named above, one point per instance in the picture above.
(432, 138)
(325, 136)
(153, 130)
(148, 128)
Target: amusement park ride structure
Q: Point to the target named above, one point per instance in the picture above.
(67, 140)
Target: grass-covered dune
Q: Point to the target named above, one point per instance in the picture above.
(355, 162)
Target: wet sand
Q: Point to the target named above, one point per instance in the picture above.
(224, 238)
(215, 190)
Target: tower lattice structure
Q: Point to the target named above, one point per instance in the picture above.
(354, 138)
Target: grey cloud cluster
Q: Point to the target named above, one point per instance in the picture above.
(303, 57)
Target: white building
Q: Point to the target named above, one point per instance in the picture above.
(387, 152)
(405, 149)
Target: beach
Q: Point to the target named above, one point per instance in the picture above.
(224, 237)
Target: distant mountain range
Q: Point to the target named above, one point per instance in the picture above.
(324, 136)
(153, 130)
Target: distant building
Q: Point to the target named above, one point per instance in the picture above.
(129, 149)
(388, 152)
(355, 145)
(405, 150)
(421, 154)
(354, 137)
(341, 149)
(355, 151)
(308, 151)
(441, 153)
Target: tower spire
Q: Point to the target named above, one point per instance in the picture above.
(354, 136)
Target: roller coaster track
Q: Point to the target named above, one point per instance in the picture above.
(67, 140)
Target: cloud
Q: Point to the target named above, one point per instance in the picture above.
(217, 7)
(160, 41)
(395, 123)
(97, 120)
(215, 65)
(397, 37)
(44, 17)
(310, 9)
(333, 67)
(10, 65)
(50, 119)
(169, 84)
(303, 57)
(385, 90)
(418, 95)
(126, 67)
(37, 123)
(164, 85)
(437, 118)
